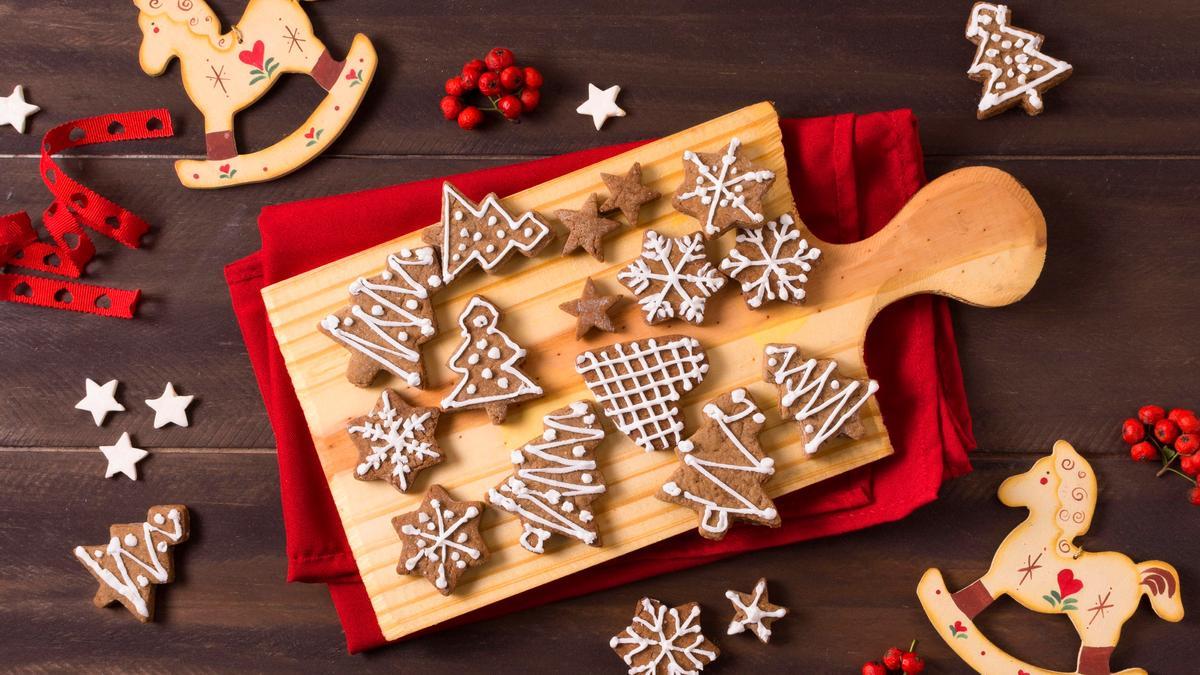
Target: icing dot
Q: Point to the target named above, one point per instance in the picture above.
(142, 581)
(471, 389)
(98, 554)
(585, 516)
(456, 257)
(567, 506)
(585, 478)
(490, 248)
(493, 353)
(473, 359)
(477, 236)
(491, 220)
(158, 519)
(486, 374)
(528, 232)
(377, 310)
(412, 304)
(162, 547)
(549, 435)
(130, 540)
(500, 234)
(458, 215)
(347, 321)
(480, 343)
(579, 451)
(502, 383)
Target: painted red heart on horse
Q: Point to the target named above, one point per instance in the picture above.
(1068, 584)
(254, 57)
(959, 627)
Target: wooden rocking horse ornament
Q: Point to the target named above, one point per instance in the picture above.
(224, 73)
(1039, 566)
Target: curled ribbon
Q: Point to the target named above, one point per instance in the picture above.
(75, 207)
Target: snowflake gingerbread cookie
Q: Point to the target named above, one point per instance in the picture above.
(723, 468)
(754, 611)
(487, 363)
(395, 441)
(441, 539)
(672, 278)
(771, 262)
(136, 558)
(482, 234)
(556, 479)
(392, 316)
(664, 640)
(1009, 62)
(722, 190)
(811, 393)
(638, 385)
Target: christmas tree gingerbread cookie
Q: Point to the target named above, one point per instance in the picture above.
(136, 558)
(441, 539)
(1009, 62)
(395, 441)
(722, 468)
(556, 479)
(482, 234)
(488, 364)
(392, 316)
(723, 190)
(1041, 567)
(225, 73)
(672, 278)
(811, 393)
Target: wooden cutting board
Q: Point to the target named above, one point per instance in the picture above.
(975, 235)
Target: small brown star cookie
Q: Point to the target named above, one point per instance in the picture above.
(754, 611)
(441, 539)
(592, 310)
(722, 190)
(627, 193)
(395, 441)
(586, 227)
(664, 640)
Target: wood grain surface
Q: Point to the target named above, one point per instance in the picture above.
(1113, 163)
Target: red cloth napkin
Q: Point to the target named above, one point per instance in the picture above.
(849, 174)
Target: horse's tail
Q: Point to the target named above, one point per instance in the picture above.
(1160, 582)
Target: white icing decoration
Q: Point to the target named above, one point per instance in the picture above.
(482, 309)
(394, 439)
(753, 614)
(442, 538)
(769, 275)
(124, 584)
(638, 385)
(715, 186)
(530, 227)
(996, 93)
(682, 294)
(802, 382)
(680, 657)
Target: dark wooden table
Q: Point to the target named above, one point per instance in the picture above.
(1114, 163)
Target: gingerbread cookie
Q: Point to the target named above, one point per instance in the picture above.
(136, 557)
(771, 262)
(754, 611)
(591, 310)
(638, 385)
(722, 190)
(392, 316)
(723, 468)
(487, 364)
(664, 640)
(812, 394)
(672, 278)
(395, 441)
(555, 479)
(441, 539)
(1009, 62)
(482, 234)
(586, 228)
(627, 194)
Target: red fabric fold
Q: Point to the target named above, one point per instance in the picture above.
(849, 175)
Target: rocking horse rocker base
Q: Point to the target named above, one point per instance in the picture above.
(318, 132)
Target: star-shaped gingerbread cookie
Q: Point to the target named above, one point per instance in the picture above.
(441, 539)
(754, 611)
(591, 310)
(395, 441)
(723, 190)
(586, 228)
(627, 193)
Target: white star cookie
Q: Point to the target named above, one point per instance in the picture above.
(100, 400)
(170, 408)
(601, 104)
(14, 110)
(122, 457)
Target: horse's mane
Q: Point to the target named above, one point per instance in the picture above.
(195, 14)
(1076, 493)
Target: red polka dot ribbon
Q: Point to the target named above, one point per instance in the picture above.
(75, 207)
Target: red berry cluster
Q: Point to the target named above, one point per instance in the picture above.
(509, 89)
(1166, 437)
(896, 660)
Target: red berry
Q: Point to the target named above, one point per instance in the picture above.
(1188, 423)
(512, 78)
(530, 98)
(1190, 464)
(1151, 413)
(1176, 413)
(874, 668)
(1132, 431)
(1187, 444)
(470, 117)
(1193, 497)
(454, 87)
(1143, 452)
(469, 79)
(1166, 431)
(489, 83)
(451, 106)
(476, 65)
(510, 107)
(533, 77)
(892, 657)
(911, 664)
(499, 59)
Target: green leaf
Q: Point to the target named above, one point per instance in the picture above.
(1056, 595)
(310, 144)
(961, 636)
(319, 132)
(1050, 600)
(258, 79)
(256, 71)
